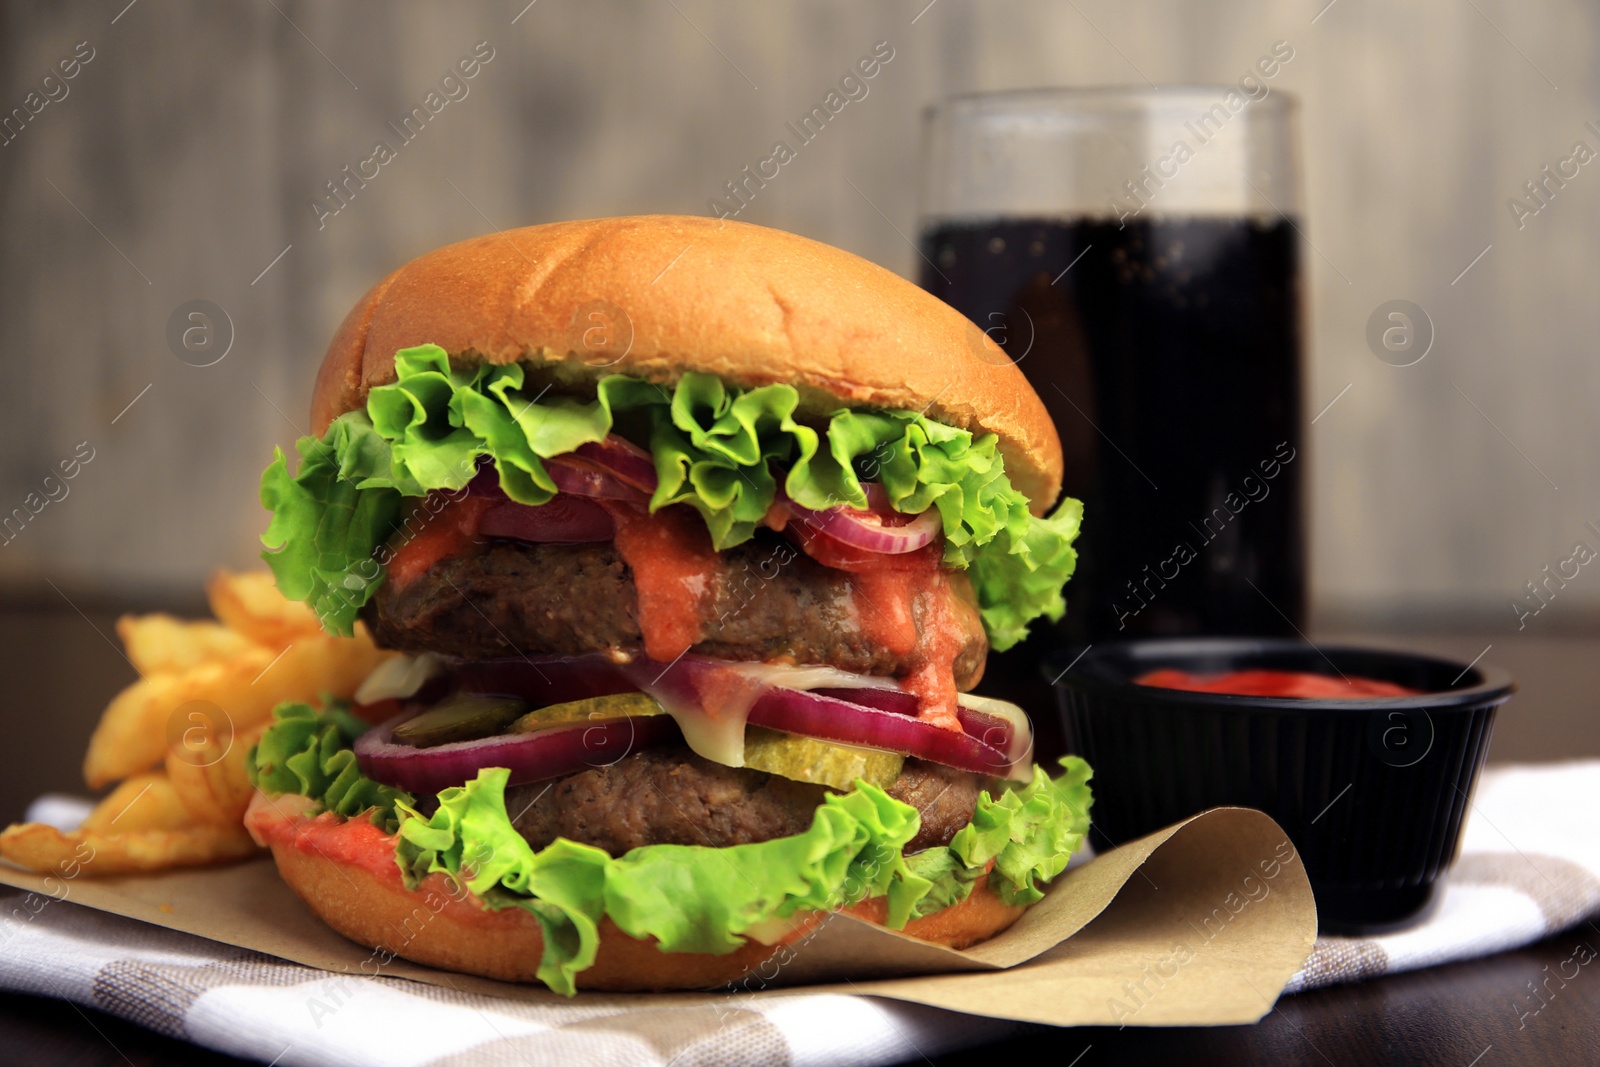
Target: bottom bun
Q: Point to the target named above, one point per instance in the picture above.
(345, 873)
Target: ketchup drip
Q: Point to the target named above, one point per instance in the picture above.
(442, 532)
(903, 602)
(670, 555)
(890, 603)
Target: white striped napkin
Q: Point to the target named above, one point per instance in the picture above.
(1530, 866)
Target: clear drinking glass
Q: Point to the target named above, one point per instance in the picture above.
(1136, 253)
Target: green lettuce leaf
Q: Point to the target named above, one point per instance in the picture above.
(693, 898)
(717, 449)
(689, 898)
(1029, 831)
(1017, 579)
(307, 752)
(328, 518)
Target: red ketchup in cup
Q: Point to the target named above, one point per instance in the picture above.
(1263, 683)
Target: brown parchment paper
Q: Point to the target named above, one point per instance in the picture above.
(1200, 923)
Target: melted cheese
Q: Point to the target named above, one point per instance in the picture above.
(1020, 753)
(398, 677)
(713, 713)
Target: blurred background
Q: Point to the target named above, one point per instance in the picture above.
(190, 155)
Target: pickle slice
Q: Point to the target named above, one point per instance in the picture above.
(801, 759)
(459, 717)
(805, 759)
(588, 710)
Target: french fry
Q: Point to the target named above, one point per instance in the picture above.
(143, 802)
(229, 777)
(148, 718)
(133, 733)
(158, 643)
(194, 791)
(250, 604)
(316, 665)
(44, 848)
(210, 780)
(205, 697)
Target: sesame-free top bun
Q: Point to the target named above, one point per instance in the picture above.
(654, 296)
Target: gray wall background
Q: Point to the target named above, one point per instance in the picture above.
(185, 155)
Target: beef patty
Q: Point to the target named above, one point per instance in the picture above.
(670, 796)
(768, 601)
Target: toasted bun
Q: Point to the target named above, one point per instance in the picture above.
(441, 927)
(656, 295)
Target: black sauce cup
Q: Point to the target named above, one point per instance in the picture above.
(1371, 790)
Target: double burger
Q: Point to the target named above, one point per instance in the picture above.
(691, 537)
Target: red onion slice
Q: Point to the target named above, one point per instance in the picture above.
(531, 757)
(486, 482)
(831, 719)
(694, 682)
(996, 723)
(613, 469)
(995, 738)
(992, 722)
(566, 519)
(621, 457)
(875, 529)
(834, 553)
(1001, 734)
(581, 478)
(896, 700)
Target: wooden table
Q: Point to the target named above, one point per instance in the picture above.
(61, 666)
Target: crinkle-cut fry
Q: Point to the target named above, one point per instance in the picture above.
(157, 643)
(155, 714)
(249, 603)
(132, 733)
(143, 802)
(209, 778)
(205, 698)
(45, 848)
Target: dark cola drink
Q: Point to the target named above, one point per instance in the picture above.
(1168, 353)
